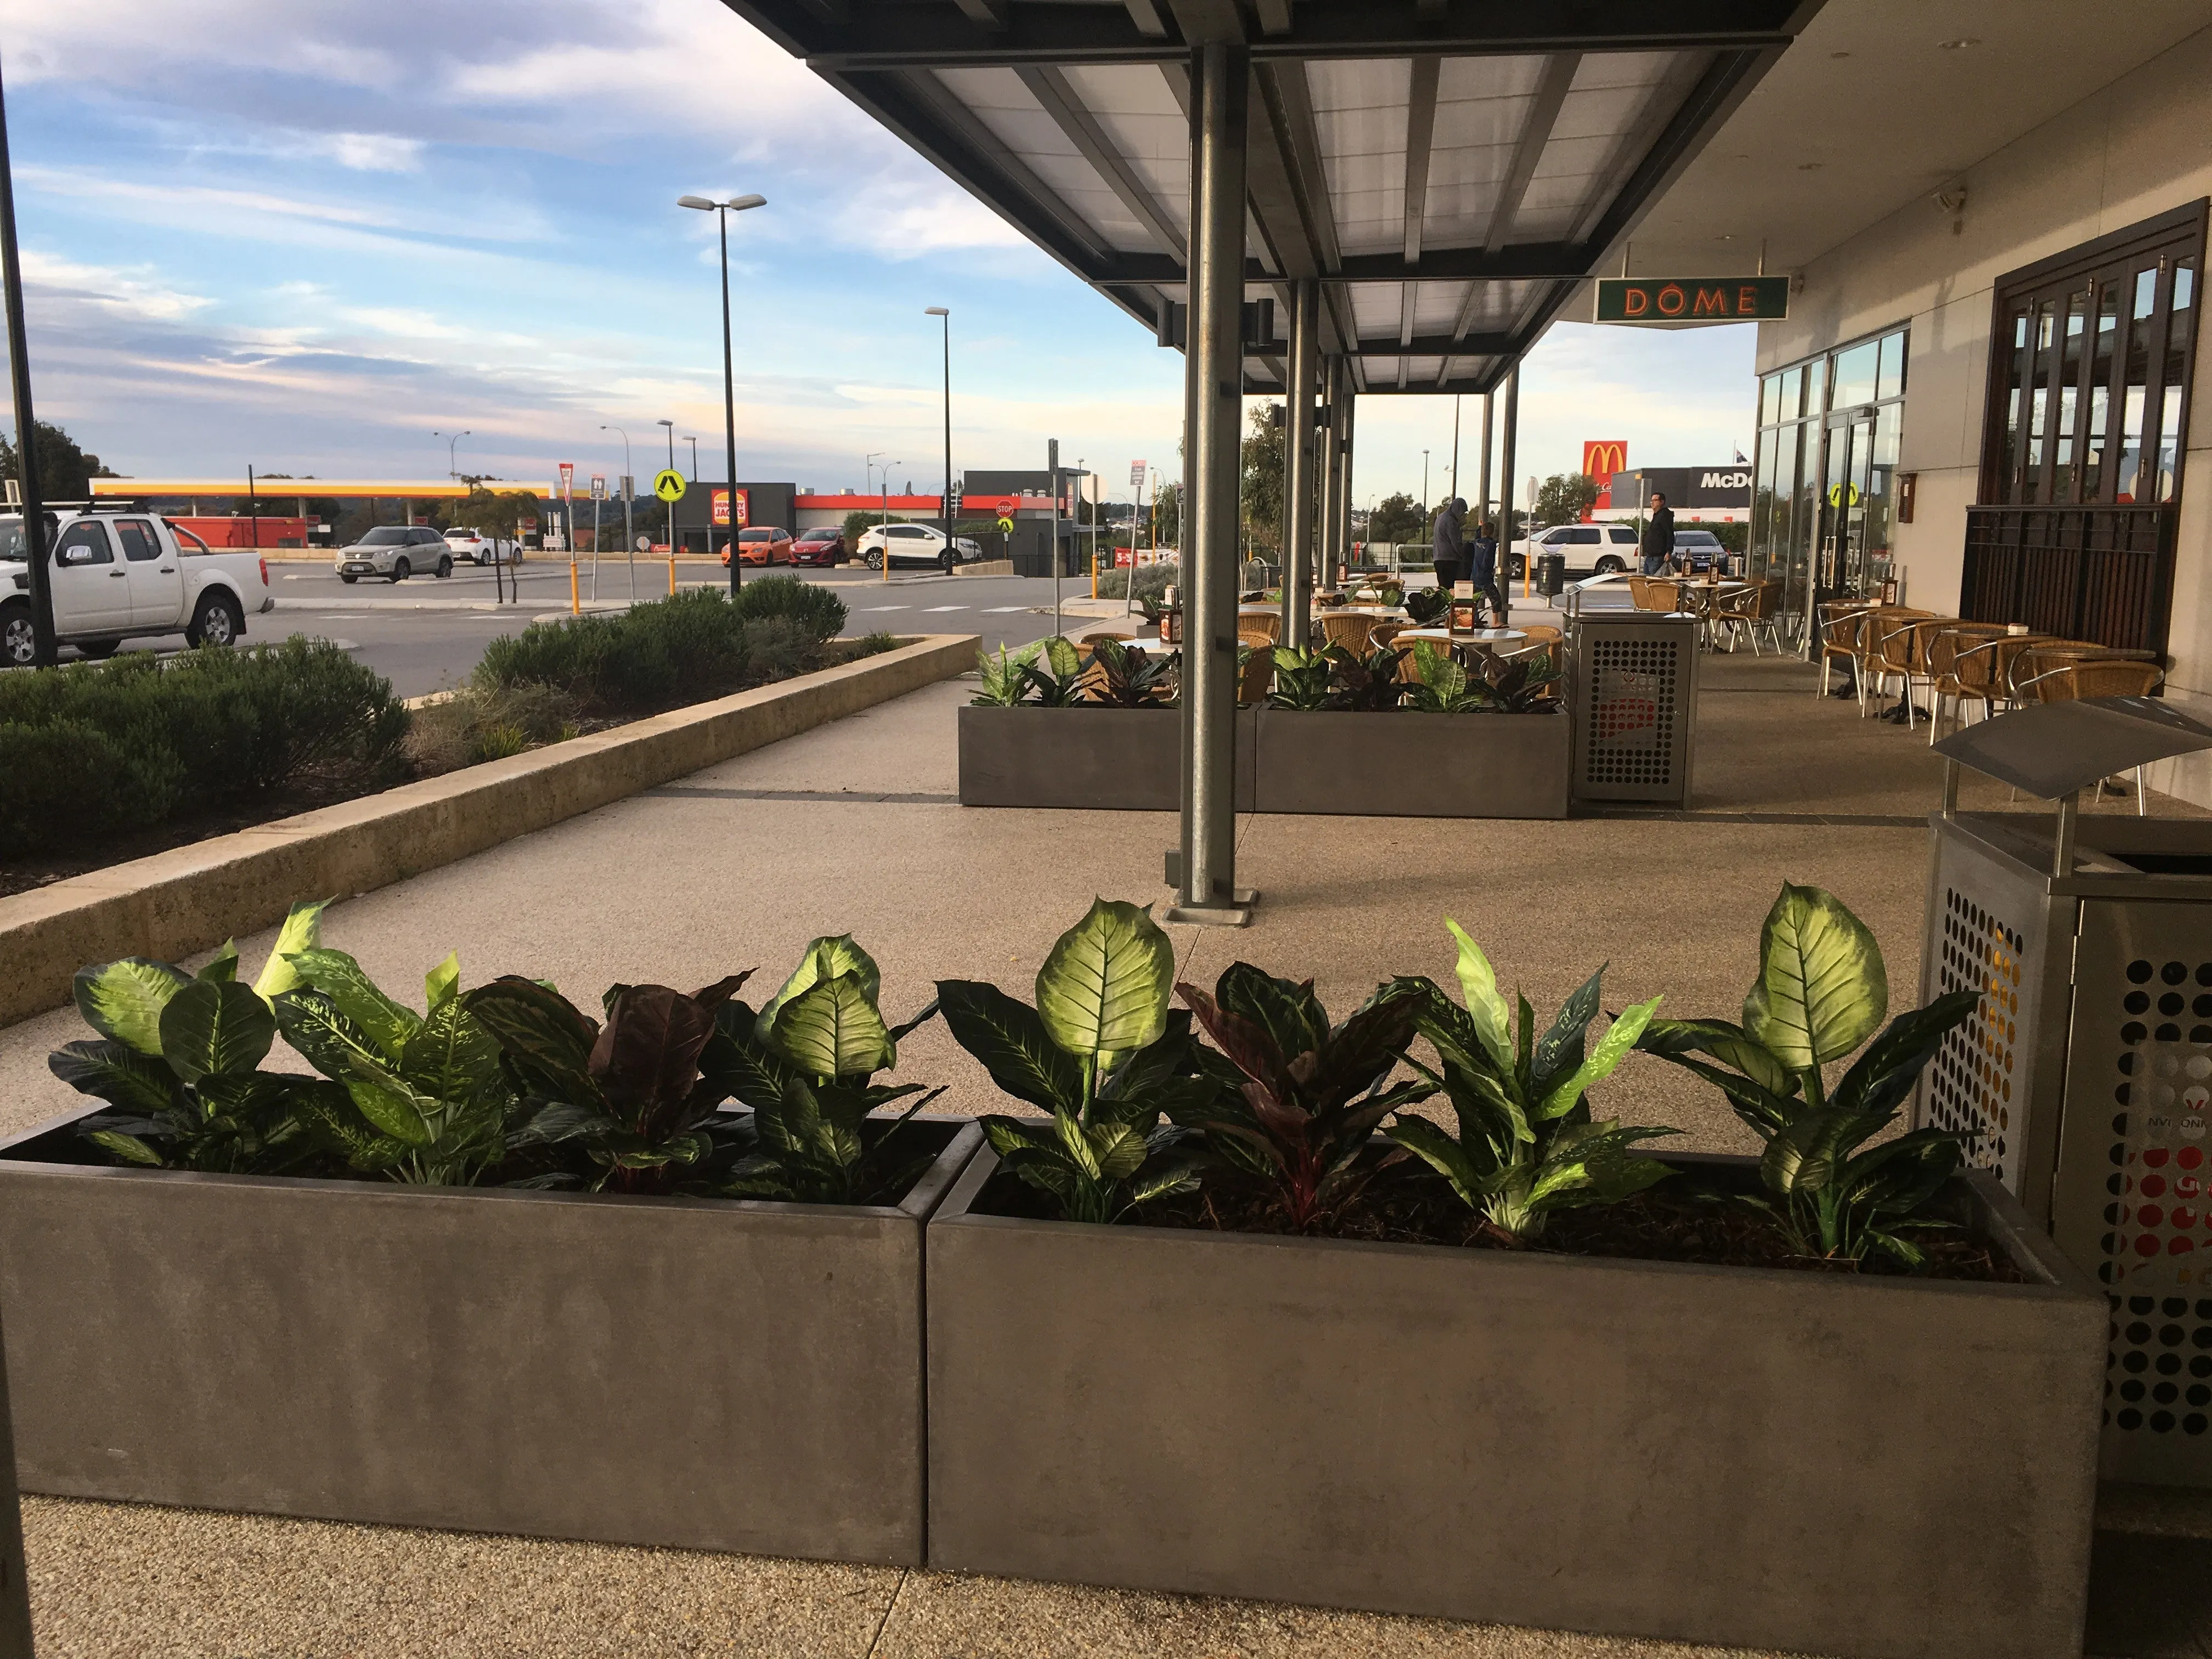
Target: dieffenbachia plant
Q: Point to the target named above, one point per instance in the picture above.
(1527, 1146)
(1102, 1053)
(805, 1066)
(179, 1057)
(1822, 990)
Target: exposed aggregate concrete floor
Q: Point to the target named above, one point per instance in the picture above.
(738, 866)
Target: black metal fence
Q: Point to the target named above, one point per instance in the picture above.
(2103, 573)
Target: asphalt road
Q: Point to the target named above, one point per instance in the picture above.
(424, 634)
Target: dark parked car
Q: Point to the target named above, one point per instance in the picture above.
(1696, 550)
(823, 545)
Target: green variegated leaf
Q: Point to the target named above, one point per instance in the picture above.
(1561, 1047)
(342, 979)
(832, 1030)
(402, 1113)
(302, 931)
(128, 1148)
(117, 1073)
(1429, 1143)
(1011, 1042)
(1103, 988)
(223, 965)
(214, 1026)
(124, 999)
(824, 959)
(1061, 653)
(1478, 981)
(1620, 1037)
(330, 1042)
(451, 1057)
(543, 1035)
(443, 983)
(1119, 1148)
(1822, 988)
(1077, 1144)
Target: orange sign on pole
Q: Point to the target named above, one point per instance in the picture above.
(1601, 459)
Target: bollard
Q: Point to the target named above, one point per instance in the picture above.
(575, 601)
(1094, 575)
(671, 573)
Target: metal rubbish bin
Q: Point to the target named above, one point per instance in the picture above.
(1635, 706)
(1551, 574)
(2085, 1081)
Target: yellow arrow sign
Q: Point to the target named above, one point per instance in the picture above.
(668, 484)
(1007, 524)
(1843, 494)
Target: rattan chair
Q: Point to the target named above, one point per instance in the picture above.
(1352, 632)
(1107, 634)
(1542, 637)
(1840, 628)
(2048, 675)
(1257, 677)
(1269, 623)
(1959, 667)
(1747, 614)
(1640, 593)
(1886, 654)
(1663, 595)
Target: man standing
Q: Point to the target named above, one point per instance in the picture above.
(1658, 537)
(1450, 544)
(1482, 567)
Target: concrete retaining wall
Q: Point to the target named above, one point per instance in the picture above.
(173, 903)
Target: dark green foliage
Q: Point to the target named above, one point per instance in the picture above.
(1427, 606)
(91, 749)
(1526, 1144)
(1053, 671)
(630, 1096)
(1521, 686)
(805, 1065)
(1822, 990)
(1302, 678)
(1133, 679)
(1312, 1094)
(1370, 684)
(695, 645)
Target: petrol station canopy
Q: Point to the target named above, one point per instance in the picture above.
(1450, 170)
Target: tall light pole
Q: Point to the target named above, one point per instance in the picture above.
(43, 643)
(629, 489)
(1425, 481)
(670, 425)
(694, 442)
(944, 501)
(451, 441)
(722, 211)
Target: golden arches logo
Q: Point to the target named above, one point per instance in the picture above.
(1603, 457)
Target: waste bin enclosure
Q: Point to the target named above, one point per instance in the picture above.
(2085, 1084)
(1551, 574)
(1635, 706)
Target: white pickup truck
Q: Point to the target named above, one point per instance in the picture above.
(127, 575)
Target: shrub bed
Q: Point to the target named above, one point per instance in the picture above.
(92, 750)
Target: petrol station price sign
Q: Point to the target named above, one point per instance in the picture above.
(1693, 299)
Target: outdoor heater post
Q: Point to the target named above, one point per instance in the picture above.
(1298, 467)
(1214, 366)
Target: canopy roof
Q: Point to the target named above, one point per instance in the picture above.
(1451, 169)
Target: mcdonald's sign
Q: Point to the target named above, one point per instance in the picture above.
(1603, 457)
(1693, 300)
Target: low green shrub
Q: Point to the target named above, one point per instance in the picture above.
(820, 611)
(479, 723)
(105, 748)
(1151, 579)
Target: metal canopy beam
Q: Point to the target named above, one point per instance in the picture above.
(859, 34)
(1050, 88)
(1536, 132)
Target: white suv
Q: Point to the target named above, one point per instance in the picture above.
(479, 548)
(916, 544)
(1592, 549)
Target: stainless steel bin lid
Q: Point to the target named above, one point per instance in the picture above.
(2053, 749)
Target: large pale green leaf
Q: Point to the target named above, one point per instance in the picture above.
(343, 980)
(214, 1026)
(402, 1113)
(117, 1073)
(1104, 988)
(451, 1057)
(223, 965)
(332, 1043)
(302, 931)
(1478, 981)
(825, 958)
(443, 983)
(128, 1148)
(124, 999)
(1620, 1037)
(1822, 988)
(832, 1030)
(1059, 651)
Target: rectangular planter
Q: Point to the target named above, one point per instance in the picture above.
(699, 1373)
(1870, 1467)
(1394, 765)
(1406, 764)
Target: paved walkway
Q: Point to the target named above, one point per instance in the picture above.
(855, 826)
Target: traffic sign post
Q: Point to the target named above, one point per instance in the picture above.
(569, 504)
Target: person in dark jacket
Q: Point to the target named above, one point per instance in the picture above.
(1658, 537)
(1482, 569)
(1450, 547)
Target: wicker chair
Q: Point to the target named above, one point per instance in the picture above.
(1885, 653)
(1756, 609)
(1352, 632)
(1546, 638)
(1959, 668)
(1840, 628)
(1663, 595)
(1269, 623)
(2046, 675)
(1640, 593)
(1107, 634)
(1257, 677)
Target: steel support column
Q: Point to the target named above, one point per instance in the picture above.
(1214, 365)
(1337, 379)
(1508, 460)
(1482, 472)
(1344, 493)
(1298, 465)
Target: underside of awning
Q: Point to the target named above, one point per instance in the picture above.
(1450, 170)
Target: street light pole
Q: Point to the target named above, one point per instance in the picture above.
(670, 425)
(452, 466)
(629, 489)
(944, 501)
(43, 644)
(722, 212)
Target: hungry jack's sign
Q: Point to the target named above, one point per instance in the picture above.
(1693, 300)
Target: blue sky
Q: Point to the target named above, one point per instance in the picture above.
(304, 234)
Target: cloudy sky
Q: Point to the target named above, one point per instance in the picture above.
(305, 235)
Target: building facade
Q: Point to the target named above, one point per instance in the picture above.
(1983, 397)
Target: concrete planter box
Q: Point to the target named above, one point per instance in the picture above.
(1396, 765)
(691, 1372)
(1874, 1467)
(1408, 764)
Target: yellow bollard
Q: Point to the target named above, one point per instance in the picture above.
(1094, 575)
(575, 601)
(671, 573)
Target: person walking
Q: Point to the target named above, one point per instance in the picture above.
(1482, 569)
(1658, 537)
(1451, 545)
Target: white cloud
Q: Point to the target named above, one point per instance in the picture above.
(373, 152)
(131, 292)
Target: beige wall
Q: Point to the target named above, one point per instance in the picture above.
(2139, 148)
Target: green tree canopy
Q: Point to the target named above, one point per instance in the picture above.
(1563, 497)
(1397, 518)
(1262, 486)
(65, 470)
(495, 512)
(1167, 514)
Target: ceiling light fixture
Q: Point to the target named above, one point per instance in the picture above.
(1961, 44)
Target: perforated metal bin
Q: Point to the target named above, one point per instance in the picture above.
(1635, 706)
(2085, 1083)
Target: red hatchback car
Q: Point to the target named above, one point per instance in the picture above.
(823, 545)
(764, 544)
